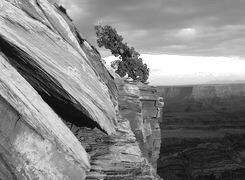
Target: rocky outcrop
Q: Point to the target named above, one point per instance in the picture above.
(32, 141)
(92, 54)
(45, 51)
(59, 116)
(152, 107)
(203, 132)
(129, 154)
(140, 105)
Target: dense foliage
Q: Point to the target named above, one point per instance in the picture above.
(129, 62)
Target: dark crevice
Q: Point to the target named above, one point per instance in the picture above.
(67, 112)
(78, 36)
(62, 10)
(48, 88)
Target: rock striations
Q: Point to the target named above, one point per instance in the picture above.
(141, 103)
(62, 115)
(203, 132)
(126, 154)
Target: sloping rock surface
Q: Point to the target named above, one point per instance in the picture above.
(203, 131)
(32, 141)
(42, 47)
(51, 78)
(47, 77)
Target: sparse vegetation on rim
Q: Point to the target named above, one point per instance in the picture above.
(129, 62)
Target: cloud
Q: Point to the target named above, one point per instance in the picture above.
(187, 33)
(187, 27)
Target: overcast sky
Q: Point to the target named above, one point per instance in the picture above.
(197, 28)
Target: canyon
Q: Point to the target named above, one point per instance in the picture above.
(203, 131)
(64, 114)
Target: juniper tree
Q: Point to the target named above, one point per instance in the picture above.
(129, 62)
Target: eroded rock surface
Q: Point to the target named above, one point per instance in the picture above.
(128, 154)
(140, 105)
(152, 113)
(203, 132)
(32, 141)
(51, 78)
(46, 52)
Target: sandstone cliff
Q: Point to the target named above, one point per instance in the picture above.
(140, 105)
(125, 155)
(53, 83)
(203, 132)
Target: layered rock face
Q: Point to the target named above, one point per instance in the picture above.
(129, 154)
(203, 131)
(42, 47)
(51, 78)
(140, 105)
